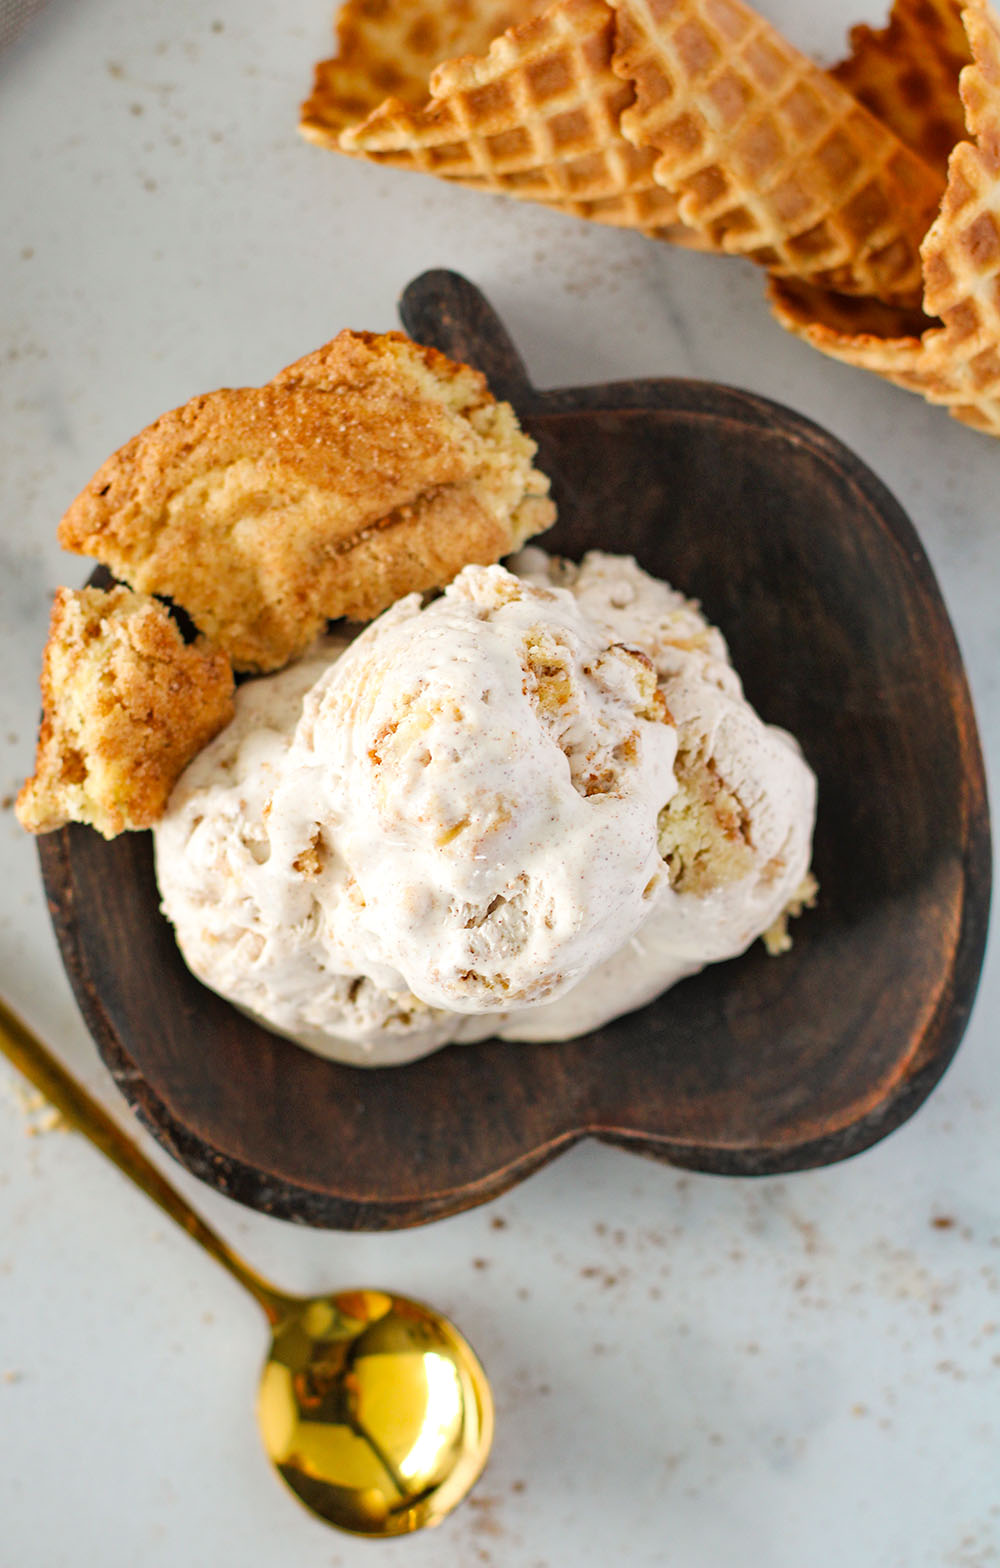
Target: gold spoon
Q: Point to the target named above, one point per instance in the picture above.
(373, 1408)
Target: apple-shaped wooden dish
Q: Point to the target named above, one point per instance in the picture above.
(759, 1065)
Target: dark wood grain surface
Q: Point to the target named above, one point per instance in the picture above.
(759, 1065)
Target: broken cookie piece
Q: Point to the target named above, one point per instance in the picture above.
(126, 706)
(370, 469)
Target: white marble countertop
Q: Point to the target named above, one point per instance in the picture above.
(689, 1371)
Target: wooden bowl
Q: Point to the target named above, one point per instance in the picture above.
(755, 1066)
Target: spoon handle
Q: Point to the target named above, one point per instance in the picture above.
(22, 1046)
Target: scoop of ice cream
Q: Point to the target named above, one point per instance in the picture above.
(523, 809)
(464, 819)
(489, 768)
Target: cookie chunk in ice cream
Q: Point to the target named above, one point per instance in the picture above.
(519, 810)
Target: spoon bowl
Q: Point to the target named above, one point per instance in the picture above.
(374, 1411)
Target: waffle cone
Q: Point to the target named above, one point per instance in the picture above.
(769, 156)
(952, 354)
(390, 49)
(536, 115)
(907, 73)
(692, 120)
(871, 193)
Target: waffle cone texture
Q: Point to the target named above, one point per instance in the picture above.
(869, 193)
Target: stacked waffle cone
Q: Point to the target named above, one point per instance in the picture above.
(869, 193)
(951, 353)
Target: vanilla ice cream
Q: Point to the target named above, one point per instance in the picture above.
(519, 810)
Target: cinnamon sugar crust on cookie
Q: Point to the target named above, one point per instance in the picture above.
(126, 706)
(367, 470)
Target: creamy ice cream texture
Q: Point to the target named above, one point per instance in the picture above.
(519, 810)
